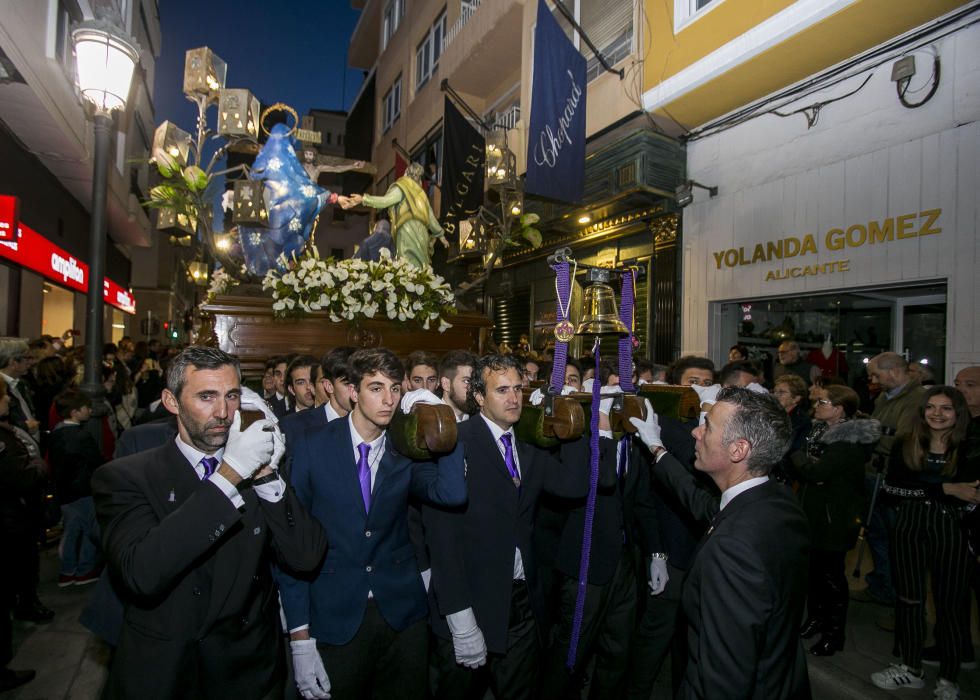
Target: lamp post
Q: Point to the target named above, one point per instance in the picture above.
(105, 59)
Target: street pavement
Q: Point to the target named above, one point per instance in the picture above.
(71, 663)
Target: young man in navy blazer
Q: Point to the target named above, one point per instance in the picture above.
(361, 619)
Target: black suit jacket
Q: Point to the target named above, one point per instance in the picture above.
(744, 594)
(625, 508)
(201, 612)
(471, 548)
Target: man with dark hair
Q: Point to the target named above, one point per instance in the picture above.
(483, 565)
(738, 373)
(280, 401)
(73, 456)
(455, 371)
(745, 592)
(642, 371)
(300, 382)
(421, 367)
(362, 618)
(573, 374)
(691, 370)
(190, 531)
(333, 388)
(269, 379)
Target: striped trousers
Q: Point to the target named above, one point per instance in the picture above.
(929, 539)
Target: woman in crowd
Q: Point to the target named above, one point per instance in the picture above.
(830, 470)
(51, 378)
(791, 393)
(822, 382)
(934, 483)
(738, 352)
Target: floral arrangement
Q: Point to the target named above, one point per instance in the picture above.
(348, 290)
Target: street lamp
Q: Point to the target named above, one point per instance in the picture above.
(105, 59)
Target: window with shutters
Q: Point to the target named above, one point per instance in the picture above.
(392, 105)
(609, 26)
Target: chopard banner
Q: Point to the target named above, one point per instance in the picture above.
(556, 139)
(463, 167)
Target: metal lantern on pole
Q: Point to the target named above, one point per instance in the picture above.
(105, 59)
(204, 73)
(238, 113)
(171, 141)
(250, 203)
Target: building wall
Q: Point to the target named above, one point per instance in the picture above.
(867, 161)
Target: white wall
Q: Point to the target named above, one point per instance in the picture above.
(868, 158)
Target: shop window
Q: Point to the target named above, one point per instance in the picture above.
(428, 52)
(392, 105)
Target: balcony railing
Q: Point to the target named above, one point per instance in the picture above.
(507, 119)
(466, 10)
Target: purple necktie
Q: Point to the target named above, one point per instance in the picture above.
(509, 459)
(209, 464)
(364, 474)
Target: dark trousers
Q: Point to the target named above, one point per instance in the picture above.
(509, 676)
(881, 584)
(379, 662)
(608, 619)
(660, 629)
(930, 540)
(828, 594)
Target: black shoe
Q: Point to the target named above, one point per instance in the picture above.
(968, 661)
(33, 612)
(810, 628)
(10, 679)
(827, 646)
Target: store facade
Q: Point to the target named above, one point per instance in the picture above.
(51, 283)
(850, 219)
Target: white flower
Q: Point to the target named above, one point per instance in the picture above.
(290, 302)
(425, 324)
(402, 316)
(279, 305)
(444, 326)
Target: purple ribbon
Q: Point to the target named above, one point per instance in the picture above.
(583, 568)
(560, 360)
(626, 342)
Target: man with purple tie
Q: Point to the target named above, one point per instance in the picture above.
(484, 574)
(357, 628)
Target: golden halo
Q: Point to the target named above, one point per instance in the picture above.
(279, 107)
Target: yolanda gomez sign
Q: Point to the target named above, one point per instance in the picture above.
(35, 252)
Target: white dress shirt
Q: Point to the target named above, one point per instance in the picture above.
(271, 491)
(331, 413)
(374, 456)
(497, 432)
(730, 493)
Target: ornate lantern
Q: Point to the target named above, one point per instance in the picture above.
(204, 72)
(238, 113)
(473, 239)
(501, 161)
(250, 205)
(171, 140)
(198, 272)
(169, 221)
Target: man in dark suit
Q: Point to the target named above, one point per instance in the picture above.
(331, 396)
(745, 591)
(190, 529)
(362, 618)
(279, 401)
(483, 568)
(624, 517)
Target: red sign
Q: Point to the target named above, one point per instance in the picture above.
(9, 217)
(37, 253)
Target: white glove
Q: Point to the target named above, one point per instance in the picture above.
(649, 429)
(311, 678)
(468, 642)
(247, 451)
(253, 402)
(418, 396)
(707, 394)
(587, 385)
(537, 396)
(658, 576)
(279, 446)
(605, 405)
(757, 388)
